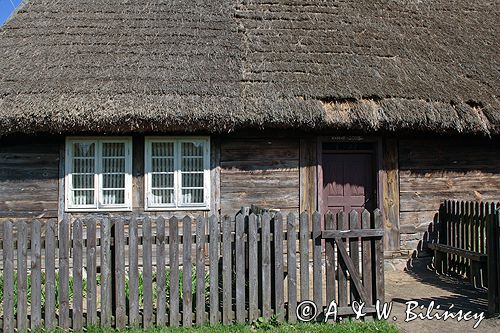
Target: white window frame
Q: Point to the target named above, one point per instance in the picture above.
(177, 205)
(68, 179)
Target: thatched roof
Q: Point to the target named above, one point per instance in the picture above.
(174, 65)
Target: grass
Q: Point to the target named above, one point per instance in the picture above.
(347, 327)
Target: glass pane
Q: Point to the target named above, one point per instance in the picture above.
(113, 165)
(163, 165)
(162, 149)
(192, 180)
(192, 148)
(162, 180)
(113, 197)
(83, 165)
(162, 197)
(192, 164)
(83, 181)
(84, 149)
(192, 196)
(113, 149)
(113, 181)
(82, 197)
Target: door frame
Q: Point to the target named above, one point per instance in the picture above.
(377, 153)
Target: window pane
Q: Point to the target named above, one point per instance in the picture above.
(162, 149)
(113, 181)
(112, 149)
(82, 197)
(192, 180)
(113, 165)
(83, 165)
(113, 197)
(83, 181)
(83, 149)
(163, 165)
(162, 180)
(192, 164)
(162, 197)
(192, 196)
(192, 149)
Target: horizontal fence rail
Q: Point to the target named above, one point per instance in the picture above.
(111, 271)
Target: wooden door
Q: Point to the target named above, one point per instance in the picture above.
(348, 182)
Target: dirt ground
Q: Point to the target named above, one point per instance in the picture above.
(417, 282)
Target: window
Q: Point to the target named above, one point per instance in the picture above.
(177, 173)
(98, 174)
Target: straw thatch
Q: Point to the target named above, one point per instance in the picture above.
(116, 66)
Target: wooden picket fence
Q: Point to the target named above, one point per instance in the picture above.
(84, 272)
(468, 244)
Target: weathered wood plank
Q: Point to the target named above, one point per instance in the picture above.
(50, 275)
(354, 224)
(367, 257)
(133, 273)
(173, 249)
(120, 301)
(36, 277)
(304, 255)
(266, 265)
(390, 196)
(77, 275)
(64, 245)
(8, 275)
(214, 269)
(253, 269)
(278, 268)
(147, 272)
(330, 260)
(161, 308)
(240, 268)
(226, 271)
(187, 297)
(292, 267)
(379, 258)
(317, 261)
(91, 272)
(200, 270)
(106, 312)
(342, 267)
(22, 275)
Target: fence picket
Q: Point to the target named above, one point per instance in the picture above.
(253, 269)
(214, 269)
(187, 297)
(173, 249)
(266, 265)
(354, 250)
(379, 257)
(50, 275)
(240, 268)
(278, 267)
(22, 278)
(317, 264)
(160, 272)
(36, 279)
(226, 271)
(292, 267)
(120, 301)
(64, 240)
(106, 272)
(147, 272)
(330, 260)
(133, 273)
(367, 257)
(91, 272)
(200, 270)
(77, 275)
(342, 267)
(304, 255)
(8, 275)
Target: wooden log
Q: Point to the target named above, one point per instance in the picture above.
(266, 265)
(106, 312)
(278, 268)
(161, 308)
(342, 267)
(8, 276)
(147, 272)
(253, 269)
(367, 267)
(133, 273)
(354, 251)
(36, 275)
(226, 271)
(200, 270)
(64, 245)
(379, 258)
(91, 272)
(292, 267)
(77, 275)
(330, 260)
(120, 298)
(187, 297)
(173, 249)
(214, 247)
(240, 268)
(50, 275)
(304, 255)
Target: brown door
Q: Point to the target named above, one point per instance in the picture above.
(347, 181)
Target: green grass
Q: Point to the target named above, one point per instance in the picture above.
(348, 327)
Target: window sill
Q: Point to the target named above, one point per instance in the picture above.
(176, 209)
(98, 210)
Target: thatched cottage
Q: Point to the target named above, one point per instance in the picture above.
(161, 106)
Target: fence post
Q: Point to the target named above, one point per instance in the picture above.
(492, 239)
(8, 272)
